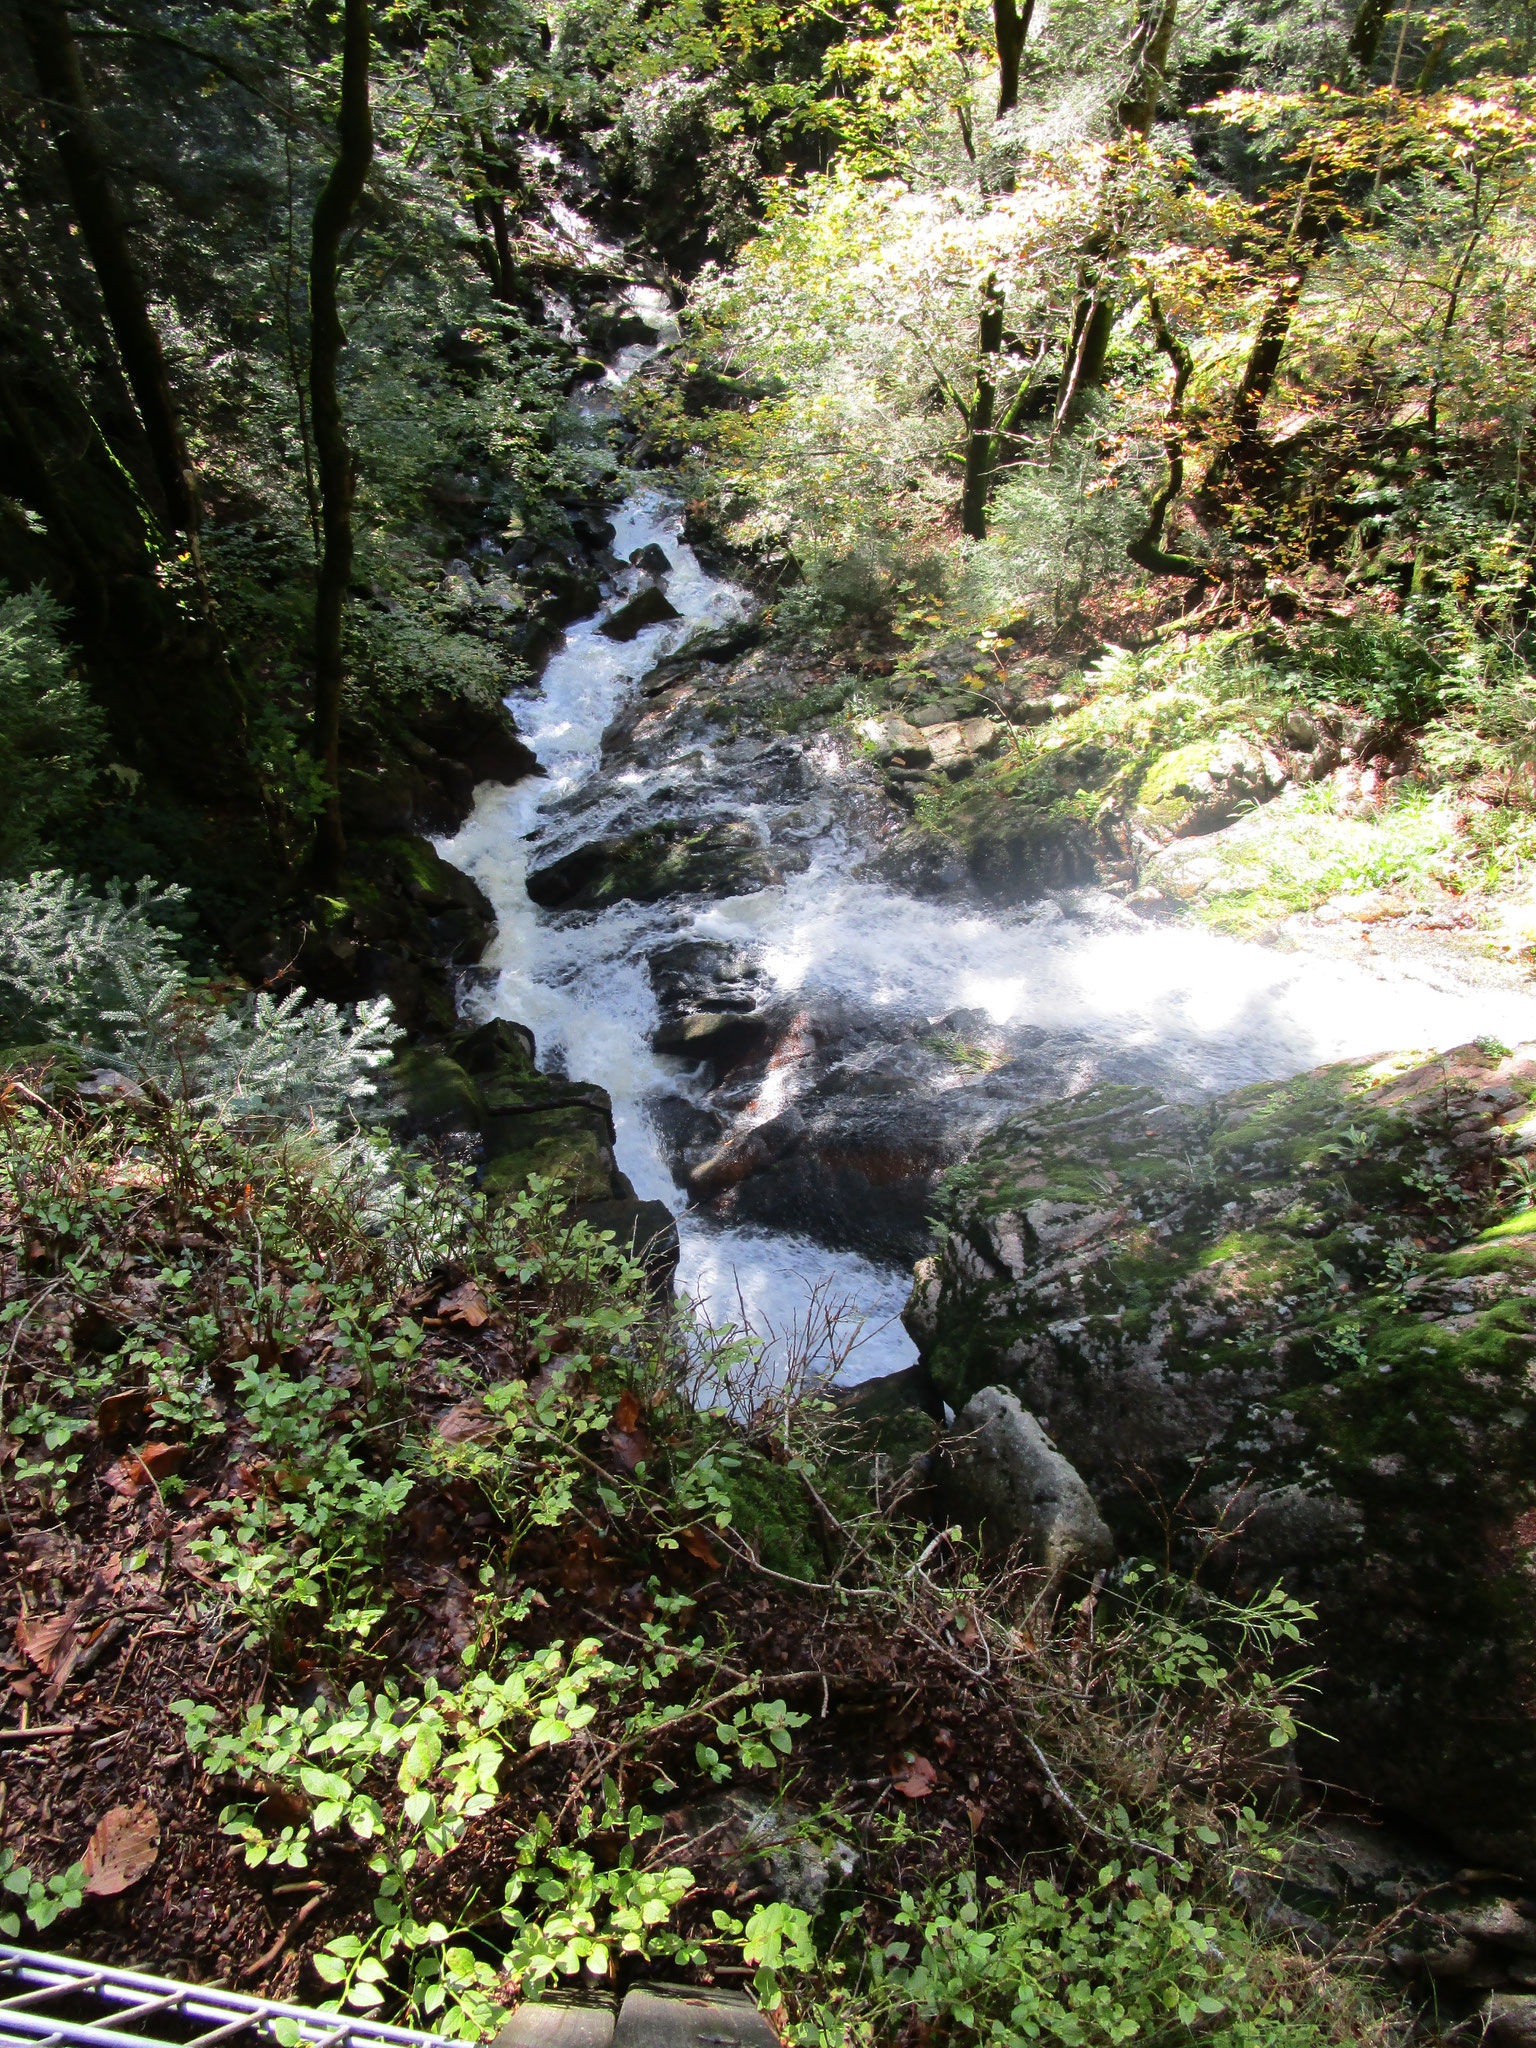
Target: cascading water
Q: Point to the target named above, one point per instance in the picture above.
(1194, 1011)
(1104, 995)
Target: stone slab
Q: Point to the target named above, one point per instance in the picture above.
(685, 2016)
(561, 2019)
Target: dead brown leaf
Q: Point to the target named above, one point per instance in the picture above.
(466, 1304)
(630, 1441)
(46, 1643)
(919, 1780)
(120, 1411)
(465, 1421)
(124, 1845)
(698, 1545)
(146, 1466)
(54, 1643)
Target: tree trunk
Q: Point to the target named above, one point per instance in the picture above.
(68, 112)
(154, 662)
(978, 446)
(1012, 27)
(1154, 40)
(1246, 452)
(1365, 36)
(1147, 549)
(506, 286)
(333, 215)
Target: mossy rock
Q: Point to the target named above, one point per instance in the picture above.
(512, 1095)
(559, 1145)
(722, 858)
(432, 1096)
(397, 923)
(498, 1047)
(1206, 784)
(1270, 1306)
(771, 1512)
(897, 1415)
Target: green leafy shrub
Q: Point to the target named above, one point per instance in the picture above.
(52, 738)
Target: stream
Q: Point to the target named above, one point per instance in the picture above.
(902, 1027)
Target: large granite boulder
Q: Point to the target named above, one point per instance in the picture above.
(1003, 1479)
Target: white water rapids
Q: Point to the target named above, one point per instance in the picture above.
(1216, 1012)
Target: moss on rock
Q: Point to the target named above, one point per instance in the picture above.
(1274, 1308)
(721, 858)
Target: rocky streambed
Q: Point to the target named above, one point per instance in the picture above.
(706, 904)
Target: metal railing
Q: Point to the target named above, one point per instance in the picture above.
(95, 2005)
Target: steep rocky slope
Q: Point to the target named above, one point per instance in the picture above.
(1267, 1330)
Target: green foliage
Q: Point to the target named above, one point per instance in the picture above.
(1129, 1959)
(1385, 666)
(1059, 532)
(42, 1900)
(74, 964)
(51, 737)
(102, 972)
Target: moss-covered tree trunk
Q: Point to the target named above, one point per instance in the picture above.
(333, 215)
(67, 111)
(983, 410)
(1147, 548)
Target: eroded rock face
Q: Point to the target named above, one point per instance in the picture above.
(1002, 1478)
(1272, 1295)
(480, 1098)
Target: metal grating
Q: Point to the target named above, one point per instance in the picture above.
(62, 2002)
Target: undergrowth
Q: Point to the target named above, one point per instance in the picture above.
(577, 1630)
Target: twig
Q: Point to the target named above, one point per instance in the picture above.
(36, 1734)
(289, 1928)
(1077, 1813)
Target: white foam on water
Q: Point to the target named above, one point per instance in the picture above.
(1206, 1012)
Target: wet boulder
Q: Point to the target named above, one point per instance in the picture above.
(703, 974)
(720, 857)
(648, 607)
(429, 1095)
(398, 922)
(1277, 1289)
(747, 1152)
(723, 1037)
(481, 1098)
(647, 1230)
(652, 559)
(612, 324)
(592, 528)
(567, 1143)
